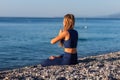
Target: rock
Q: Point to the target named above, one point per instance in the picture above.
(101, 67)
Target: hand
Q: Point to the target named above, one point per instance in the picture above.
(60, 31)
(52, 57)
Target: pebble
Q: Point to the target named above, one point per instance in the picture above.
(101, 67)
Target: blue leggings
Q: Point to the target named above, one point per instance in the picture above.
(65, 59)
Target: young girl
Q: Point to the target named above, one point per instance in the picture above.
(67, 38)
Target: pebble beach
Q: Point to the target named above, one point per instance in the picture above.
(100, 67)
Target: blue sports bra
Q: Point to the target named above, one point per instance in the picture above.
(72, 42)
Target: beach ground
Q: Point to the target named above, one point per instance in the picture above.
(101, 67)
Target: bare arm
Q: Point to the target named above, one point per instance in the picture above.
(59, 37)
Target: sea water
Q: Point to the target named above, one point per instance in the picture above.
(26, 41)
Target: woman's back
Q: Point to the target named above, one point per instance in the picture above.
(72, 41)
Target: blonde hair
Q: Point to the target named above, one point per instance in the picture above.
(69, 21)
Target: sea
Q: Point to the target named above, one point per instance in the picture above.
(26, 41)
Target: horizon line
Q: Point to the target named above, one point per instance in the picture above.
(52, 17)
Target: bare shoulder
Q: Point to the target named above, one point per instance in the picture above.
(65, 32)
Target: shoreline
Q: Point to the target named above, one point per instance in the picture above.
(100, 67)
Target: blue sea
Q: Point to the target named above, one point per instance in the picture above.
(26, 41)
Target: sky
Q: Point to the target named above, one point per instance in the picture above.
(58, 8)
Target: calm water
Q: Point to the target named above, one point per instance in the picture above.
(26, 41)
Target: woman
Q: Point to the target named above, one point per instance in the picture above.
(67, 38)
